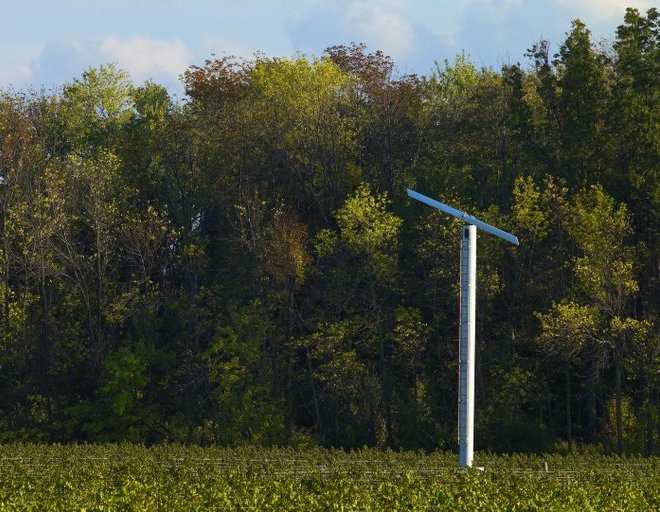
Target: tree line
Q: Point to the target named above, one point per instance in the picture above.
(245, 266)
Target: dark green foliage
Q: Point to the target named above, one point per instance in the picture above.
(246, 268)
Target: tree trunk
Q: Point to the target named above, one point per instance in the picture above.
(619, 418)
(569, 419)
(5, 255)
(384, 373)
(288, 384)
(416, 407)
(45, 345)
(648, 422)
(591, 398)
(317, 412)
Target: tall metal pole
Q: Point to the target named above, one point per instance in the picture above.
(467, 343)
(468, 320)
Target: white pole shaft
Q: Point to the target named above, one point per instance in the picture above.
(466, 342)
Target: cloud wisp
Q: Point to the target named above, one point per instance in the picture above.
(600, 10)
(143, 57)
(381, 24)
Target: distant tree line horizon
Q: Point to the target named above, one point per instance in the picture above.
(245, 267)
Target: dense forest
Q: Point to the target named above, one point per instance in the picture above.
(244, 266)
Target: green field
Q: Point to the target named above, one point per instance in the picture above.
(130, 477)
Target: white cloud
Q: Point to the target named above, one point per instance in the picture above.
(377, 23)
(17, 63)
(15, 76)
(605, 9)
(380, 24)
(146, 58)
(62, 60)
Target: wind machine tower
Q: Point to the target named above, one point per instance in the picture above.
(468, 314)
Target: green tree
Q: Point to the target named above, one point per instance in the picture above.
(582, 101)
(605, 272)
(543, 99)
(467, 140)
(371, 233)
(355, 279)
(146, 141)
(92, 193)
(634, 115)
(410, 338)
(566, 329)
(346, 392)
(386, 113)
(96, 106)
(246, 409)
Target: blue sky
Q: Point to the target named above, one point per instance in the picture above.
(49, 42)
